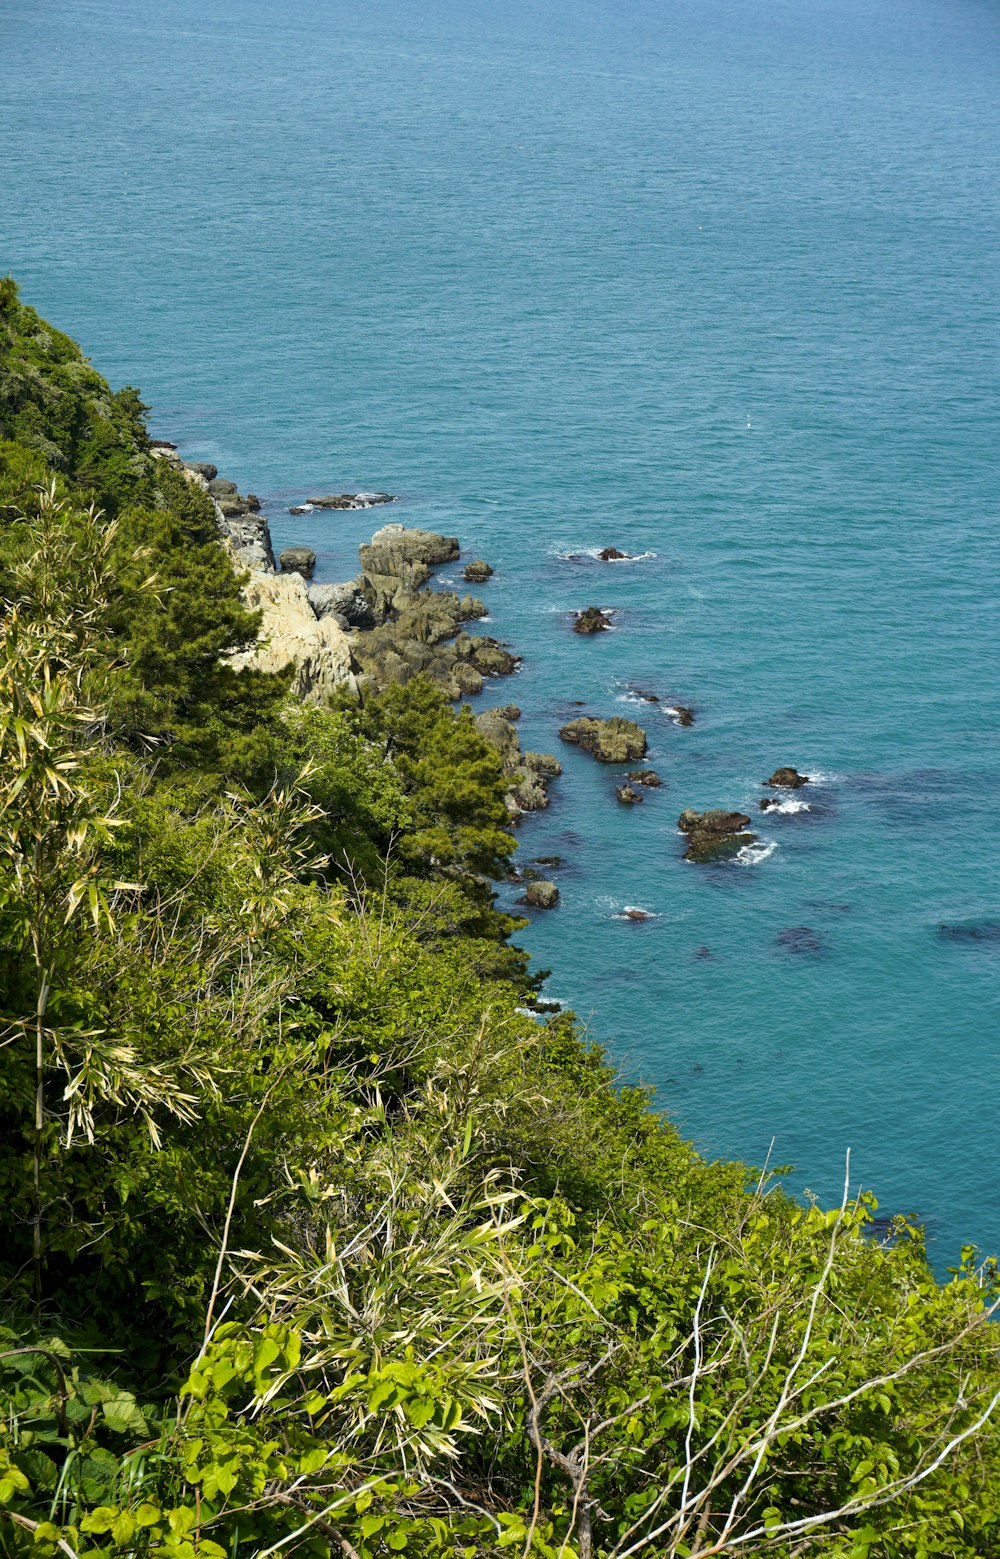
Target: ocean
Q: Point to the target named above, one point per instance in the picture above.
(704, 280)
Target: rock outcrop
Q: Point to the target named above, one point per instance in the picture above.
(647, 777)
(346, 600)
(628, 795)
(591, 620)
(246, 537)
(291, 632)
(787, 779)
(528, 772)
(541, 895)
(611, 741)
(477, 573)
(298, 560)
(419, 630)
(345, 501)
(714, 835)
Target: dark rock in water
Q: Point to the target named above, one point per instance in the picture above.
(203, 468)
(714, 835)
(647, 698)
(799, 940)
(253, 503)
(298, 560)
(608, 554)
(611, 741)
(299, 508)
(592, 620)
(683, 715)
(548, 860)
(477, 573)
(631, 912)
(787, 779)
(769, 802)
(351, 500)
(985, 933)
(628, 795)
(491, 658)
(647, 777)
(703, 952)
(541, 895)
(507, 712)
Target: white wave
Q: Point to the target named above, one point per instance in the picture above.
(789, 807)
(577, 555)
(756, 854)
(630, 911)
(820, 777)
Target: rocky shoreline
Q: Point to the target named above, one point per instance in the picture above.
(389, 624)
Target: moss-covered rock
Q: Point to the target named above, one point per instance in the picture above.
(611, 741)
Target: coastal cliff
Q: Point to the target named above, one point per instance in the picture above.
(316, 1237)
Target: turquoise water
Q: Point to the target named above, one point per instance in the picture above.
(707, 279)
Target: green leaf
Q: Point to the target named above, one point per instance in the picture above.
(100, 1520)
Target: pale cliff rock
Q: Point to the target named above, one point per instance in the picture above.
(291, 631)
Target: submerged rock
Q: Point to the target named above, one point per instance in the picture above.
(632, 912)
(682, 714)
(787, 779)
(592, 620)
(298, 560)
(611, 741)
(799, 940)
(541, 895)
(477, 573)
(985, 933)
(715, 835)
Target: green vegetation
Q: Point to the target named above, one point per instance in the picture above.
(315, 1241)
